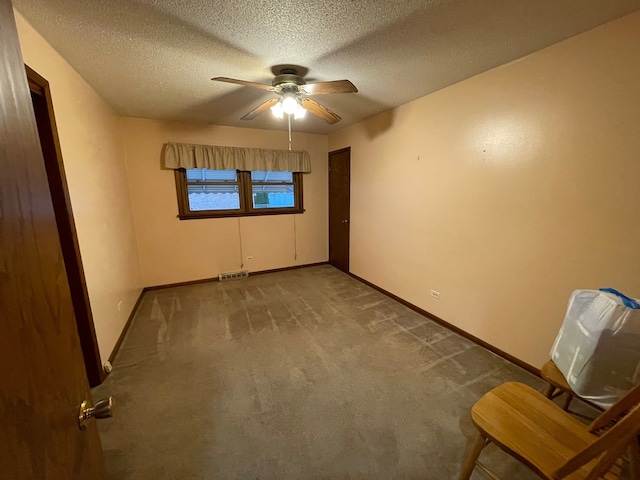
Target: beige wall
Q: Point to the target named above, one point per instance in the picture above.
(507, 191)
(96, 176)
(173, 250)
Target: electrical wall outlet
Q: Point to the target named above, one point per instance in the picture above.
(435, 294)
(249, 257)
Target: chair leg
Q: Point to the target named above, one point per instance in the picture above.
(470, 463)
(634, 458)
(549, 391)
(567, 402)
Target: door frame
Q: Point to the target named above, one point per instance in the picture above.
(52, 153)
(337, 152)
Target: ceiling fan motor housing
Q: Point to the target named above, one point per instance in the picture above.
(287, 82)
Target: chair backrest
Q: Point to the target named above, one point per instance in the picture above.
(598, 457)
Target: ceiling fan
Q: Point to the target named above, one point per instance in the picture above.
(294, 92)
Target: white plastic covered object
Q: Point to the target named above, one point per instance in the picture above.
(598, 346)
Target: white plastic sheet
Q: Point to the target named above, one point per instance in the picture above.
(598, 347)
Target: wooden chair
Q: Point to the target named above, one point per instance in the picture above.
(533, 429)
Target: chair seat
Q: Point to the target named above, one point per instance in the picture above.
(532, 428)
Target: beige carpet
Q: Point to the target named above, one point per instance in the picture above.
(303, 374)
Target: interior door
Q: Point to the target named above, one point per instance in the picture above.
(339, 208)
(42, 374)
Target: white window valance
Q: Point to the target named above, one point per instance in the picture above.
(188, 155)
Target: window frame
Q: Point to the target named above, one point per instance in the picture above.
(245, 191)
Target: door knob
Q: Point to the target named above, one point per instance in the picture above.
(345, 221)
(102, 409)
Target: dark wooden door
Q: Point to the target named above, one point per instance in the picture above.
(339, 208)
(42, 373)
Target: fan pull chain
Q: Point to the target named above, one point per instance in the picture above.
(289, 118)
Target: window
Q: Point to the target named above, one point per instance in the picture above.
(204, 193)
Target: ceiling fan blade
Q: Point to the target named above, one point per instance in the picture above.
(323, 88)
(320, 111)
(260, 108)
(243, 82)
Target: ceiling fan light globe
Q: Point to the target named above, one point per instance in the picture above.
(300, 113)
(289, 103)
(277, 110)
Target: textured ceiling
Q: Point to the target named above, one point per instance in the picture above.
(155, 58)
